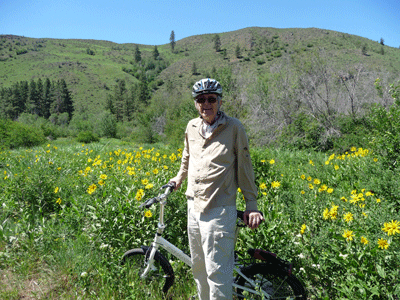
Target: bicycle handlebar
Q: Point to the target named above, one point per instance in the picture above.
(169, 189)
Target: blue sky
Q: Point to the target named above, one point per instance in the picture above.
(150, 22)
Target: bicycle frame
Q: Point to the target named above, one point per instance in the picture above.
(159, 241)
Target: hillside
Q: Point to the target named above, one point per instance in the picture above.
(272, 79)
(89, 77)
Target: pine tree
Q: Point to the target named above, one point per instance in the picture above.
(172, 40)
(194, 69)
(120, 99)
(62, 100)
(39, 88)
(217, 43)
(7, 110)
(156, 54)
(23, 95)
(68, 105)
(18, 98)
(364, 49)
(47, 98)
(237, 52)
(138, 54)
(32, 106)
(110, 104)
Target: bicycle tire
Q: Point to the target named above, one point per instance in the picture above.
(162, 273)
(276, 283)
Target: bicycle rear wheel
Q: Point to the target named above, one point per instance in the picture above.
(161, 276)
(277, 284)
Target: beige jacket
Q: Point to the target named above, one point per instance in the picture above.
(217, 166)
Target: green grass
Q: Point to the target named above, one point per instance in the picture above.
(65, 226)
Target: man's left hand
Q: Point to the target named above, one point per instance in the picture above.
(253, 218)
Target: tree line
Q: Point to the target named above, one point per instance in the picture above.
(45, 98)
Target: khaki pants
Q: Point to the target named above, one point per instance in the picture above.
(211, 241)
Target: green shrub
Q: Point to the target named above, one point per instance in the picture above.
(106, 125)
(87, 137)
(50, 130)
(385, 133)
(15, 135)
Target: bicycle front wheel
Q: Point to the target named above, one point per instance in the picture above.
(275, 283)
(160, 277)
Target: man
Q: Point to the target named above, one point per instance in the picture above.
(216, 161)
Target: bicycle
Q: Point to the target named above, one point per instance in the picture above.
(262, 276)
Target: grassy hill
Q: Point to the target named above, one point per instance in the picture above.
(272, 79)
(90, 77)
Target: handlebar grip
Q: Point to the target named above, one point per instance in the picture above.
(170, 184)
(149, 202)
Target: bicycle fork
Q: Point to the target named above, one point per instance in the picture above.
(160, 241)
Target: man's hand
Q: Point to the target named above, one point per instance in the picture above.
(253, 218)
(177, 184)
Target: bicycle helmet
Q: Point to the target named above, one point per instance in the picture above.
(207, 86)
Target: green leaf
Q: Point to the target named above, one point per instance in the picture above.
(381, 271)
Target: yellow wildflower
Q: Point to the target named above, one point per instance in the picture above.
(148, 214)
(348, 235)
(391, 228)
(326, 214)
(139, 194)
(272, 161)
(303, 228)
(148, 186)
(383, 244)
(91, 189)
(263, 186)
(275, 184)
(348, 217)
(364, 240)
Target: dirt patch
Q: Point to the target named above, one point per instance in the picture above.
(47, 285)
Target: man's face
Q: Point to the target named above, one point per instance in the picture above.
(207, 105)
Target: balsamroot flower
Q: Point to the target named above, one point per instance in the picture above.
(383, 244)
(391, 228)
(348, 235)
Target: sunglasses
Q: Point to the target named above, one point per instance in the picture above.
(202, 100)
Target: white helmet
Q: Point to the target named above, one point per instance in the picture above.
(206, 86)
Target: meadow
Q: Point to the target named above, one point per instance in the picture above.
(69, 211)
